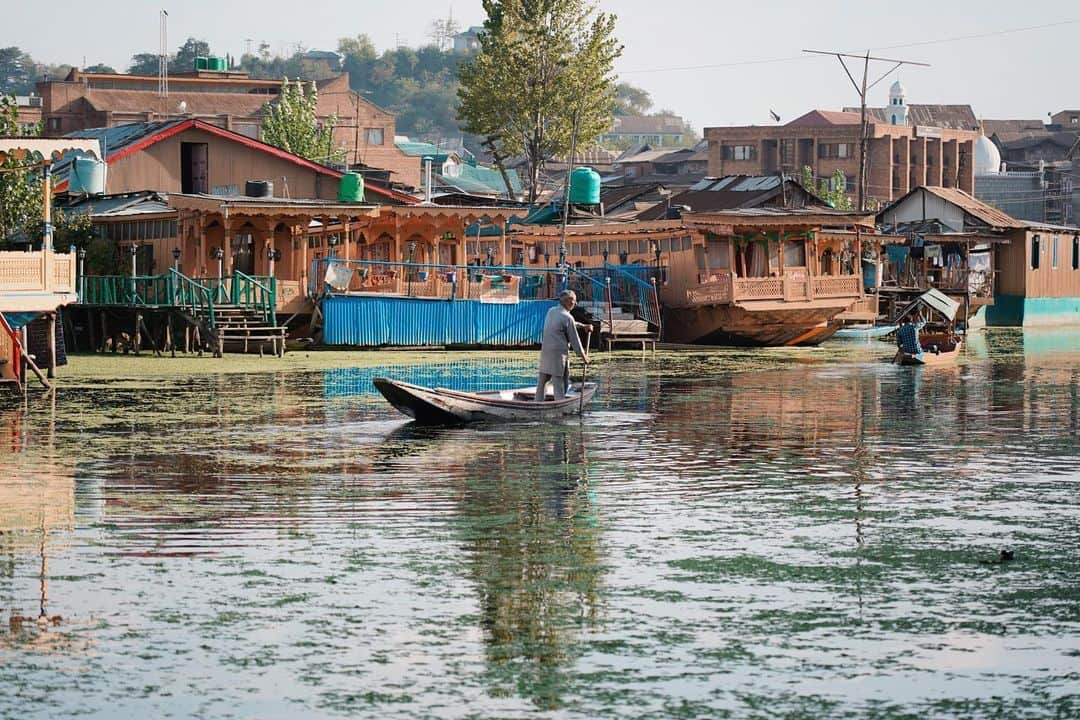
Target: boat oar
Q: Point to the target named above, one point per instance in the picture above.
(584, 374)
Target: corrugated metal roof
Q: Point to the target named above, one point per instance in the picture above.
(976, 208)
(935, 300)
(111, 206)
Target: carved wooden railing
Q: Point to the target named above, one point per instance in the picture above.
(43, 271)
(714, 289)
(759, 288)
(830, 286)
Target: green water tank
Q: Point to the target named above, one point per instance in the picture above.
(351, 188)
(202, 63)
(585, 186)
(217, 64)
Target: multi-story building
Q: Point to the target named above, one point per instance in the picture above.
(655, 130)
(899, 156)
(227, 99)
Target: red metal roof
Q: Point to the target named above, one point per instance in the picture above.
(823, 118)
(195, 124)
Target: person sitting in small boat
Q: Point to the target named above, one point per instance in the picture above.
(907, 337)
(560, 333)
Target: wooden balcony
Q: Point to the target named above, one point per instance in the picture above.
(38, 281)
(794, 287)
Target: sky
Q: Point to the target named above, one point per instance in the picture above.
(715, 62)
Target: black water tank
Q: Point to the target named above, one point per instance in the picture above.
(259, 188)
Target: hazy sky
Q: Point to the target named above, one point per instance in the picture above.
(1023, 74)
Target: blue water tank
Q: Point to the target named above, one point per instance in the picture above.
(585, 186)
(87, 176)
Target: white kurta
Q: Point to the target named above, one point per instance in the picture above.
(560, 332)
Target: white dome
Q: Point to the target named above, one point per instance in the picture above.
(897, 90)
(987, 157)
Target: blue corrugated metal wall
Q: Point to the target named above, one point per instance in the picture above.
(374, 321)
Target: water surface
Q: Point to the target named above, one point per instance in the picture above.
(727, 534)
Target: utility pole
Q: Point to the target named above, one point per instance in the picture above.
(861, 89)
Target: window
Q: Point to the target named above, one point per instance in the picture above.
(54, 124)
(835, 150)
(374, 136)
(794, 253)
(1034, 252)
(1054, 253)
(1076, 252)
(849, 181)
(739, 152)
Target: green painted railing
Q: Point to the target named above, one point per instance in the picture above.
(192, 296)
(174, 289)
(256, 293)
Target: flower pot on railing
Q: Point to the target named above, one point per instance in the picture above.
(451, 277)
(421, 275)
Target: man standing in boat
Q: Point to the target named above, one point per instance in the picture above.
(560, 333)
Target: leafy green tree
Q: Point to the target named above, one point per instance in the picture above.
(292, 123)
(631, 100)
(20, 184)
(144, 64)
(100, 68)
(541, 64)
(16, 71)
(184, 59)
(832, 190)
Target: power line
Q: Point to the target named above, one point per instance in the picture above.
(792, 58)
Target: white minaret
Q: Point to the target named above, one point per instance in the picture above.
(897, 110)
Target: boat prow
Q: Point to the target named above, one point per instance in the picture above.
(947, 356)
(440, 406)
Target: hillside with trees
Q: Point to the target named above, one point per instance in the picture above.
(419, 85)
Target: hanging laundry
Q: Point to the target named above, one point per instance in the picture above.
(897, 254)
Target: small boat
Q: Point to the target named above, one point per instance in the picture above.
(941, 347)
(864, 332)
(439, 406)
(938, 349)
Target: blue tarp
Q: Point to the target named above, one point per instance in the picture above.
(365, 321)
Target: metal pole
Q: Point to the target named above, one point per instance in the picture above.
(566, 196)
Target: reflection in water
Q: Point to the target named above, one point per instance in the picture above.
(725, 534)
(531, 529)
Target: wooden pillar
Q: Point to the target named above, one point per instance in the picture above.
(52, 345)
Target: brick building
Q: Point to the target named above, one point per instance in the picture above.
(928, 145)
(227, 99)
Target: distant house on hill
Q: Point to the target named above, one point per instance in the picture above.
(468, 41)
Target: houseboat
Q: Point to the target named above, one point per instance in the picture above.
(764, 276)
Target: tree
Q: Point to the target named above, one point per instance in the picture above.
(541, 64)
(442, 32)
(16, 71)
(631, 100)
(184, 60)
(100, 68)
(292, 124)
(832, 190)
(20, 184)
(144, 64)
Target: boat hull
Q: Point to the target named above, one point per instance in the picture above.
(931, 358)
(741, 326)
(439, 406)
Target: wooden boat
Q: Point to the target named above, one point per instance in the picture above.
(439, 406)
(941, 347)
(938, 349)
